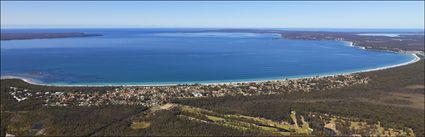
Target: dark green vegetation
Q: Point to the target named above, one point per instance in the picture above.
(21, 36)
(69, 121)
(167, 123)
(388, 99)
(394, 97)
(404, 42)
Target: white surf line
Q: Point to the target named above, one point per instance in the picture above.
(326, 75)
(28, 80)
(351, 44)
(416, 59)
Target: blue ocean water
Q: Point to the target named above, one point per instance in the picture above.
(175, 56)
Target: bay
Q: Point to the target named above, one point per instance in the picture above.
(181, 56)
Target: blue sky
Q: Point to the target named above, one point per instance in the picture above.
(216, 14)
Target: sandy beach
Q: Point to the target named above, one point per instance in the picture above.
(416, 59)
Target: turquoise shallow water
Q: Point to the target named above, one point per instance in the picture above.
(183, 56)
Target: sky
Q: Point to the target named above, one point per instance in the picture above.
(212, 14)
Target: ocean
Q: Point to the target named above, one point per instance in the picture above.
(180, 56)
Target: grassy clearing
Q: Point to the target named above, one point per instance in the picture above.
(140, 125)
(242, 122)
(305, 127)
(364, 128)
(331, 125)
(213, 118)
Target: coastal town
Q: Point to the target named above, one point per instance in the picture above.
(154, 95)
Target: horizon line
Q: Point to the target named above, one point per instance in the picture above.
(93, 27)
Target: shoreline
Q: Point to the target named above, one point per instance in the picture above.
(28, 80)
(237, 81)
(231, 82)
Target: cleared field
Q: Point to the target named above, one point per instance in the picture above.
(140, 125)
(417, 99)
(242, 122)
(364, 128)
